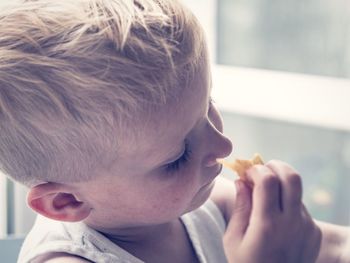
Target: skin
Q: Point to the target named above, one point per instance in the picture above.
(277, 227)
(136, 202)
(132, 189)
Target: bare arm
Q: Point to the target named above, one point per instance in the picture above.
(335, 245)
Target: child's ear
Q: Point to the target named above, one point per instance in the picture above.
(53, 201)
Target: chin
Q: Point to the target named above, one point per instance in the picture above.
(201, 196)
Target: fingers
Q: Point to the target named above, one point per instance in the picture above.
(266, 191)
(277, 189)
(291, 184)
(240, 218)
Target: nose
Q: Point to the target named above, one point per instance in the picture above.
(219, 146)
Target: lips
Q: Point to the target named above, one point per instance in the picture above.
(219, 170)
(216, 173)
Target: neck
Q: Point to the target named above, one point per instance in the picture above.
(141, 235)
(166, 242)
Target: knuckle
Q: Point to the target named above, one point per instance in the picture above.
(269, 226)
(294, 180)
(274, 162)
(280, 165)
(270, 181)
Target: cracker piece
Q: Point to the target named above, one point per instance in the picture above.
(240, 166)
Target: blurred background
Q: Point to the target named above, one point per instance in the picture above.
(281, 74)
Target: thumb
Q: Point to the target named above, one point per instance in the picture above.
(240, 218)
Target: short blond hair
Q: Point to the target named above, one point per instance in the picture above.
(72, 70)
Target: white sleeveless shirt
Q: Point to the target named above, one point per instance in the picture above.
(205, 227)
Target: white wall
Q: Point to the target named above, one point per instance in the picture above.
(305, 99)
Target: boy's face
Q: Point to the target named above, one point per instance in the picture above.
(167, 165)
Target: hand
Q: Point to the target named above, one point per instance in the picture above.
(270, 224)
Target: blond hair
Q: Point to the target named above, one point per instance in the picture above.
(72, 70)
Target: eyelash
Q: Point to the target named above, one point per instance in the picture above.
(176, 165)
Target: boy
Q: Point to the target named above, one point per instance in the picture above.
(106, 116)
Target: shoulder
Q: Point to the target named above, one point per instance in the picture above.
(224, 196)
(59, 257)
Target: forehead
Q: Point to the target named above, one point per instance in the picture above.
(160, 134)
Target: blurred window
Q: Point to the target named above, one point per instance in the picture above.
(311, 37)
(281, 80)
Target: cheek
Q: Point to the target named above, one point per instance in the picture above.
(176, 195)
(150, 201)
(161, 206)
(165, 200)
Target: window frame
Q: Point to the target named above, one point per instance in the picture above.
(278, 95)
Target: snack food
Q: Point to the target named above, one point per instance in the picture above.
(240, 166)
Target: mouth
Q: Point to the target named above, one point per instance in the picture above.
(217, 172)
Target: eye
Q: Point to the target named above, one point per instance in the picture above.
(182, 160)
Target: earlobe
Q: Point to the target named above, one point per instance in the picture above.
(53, 201)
